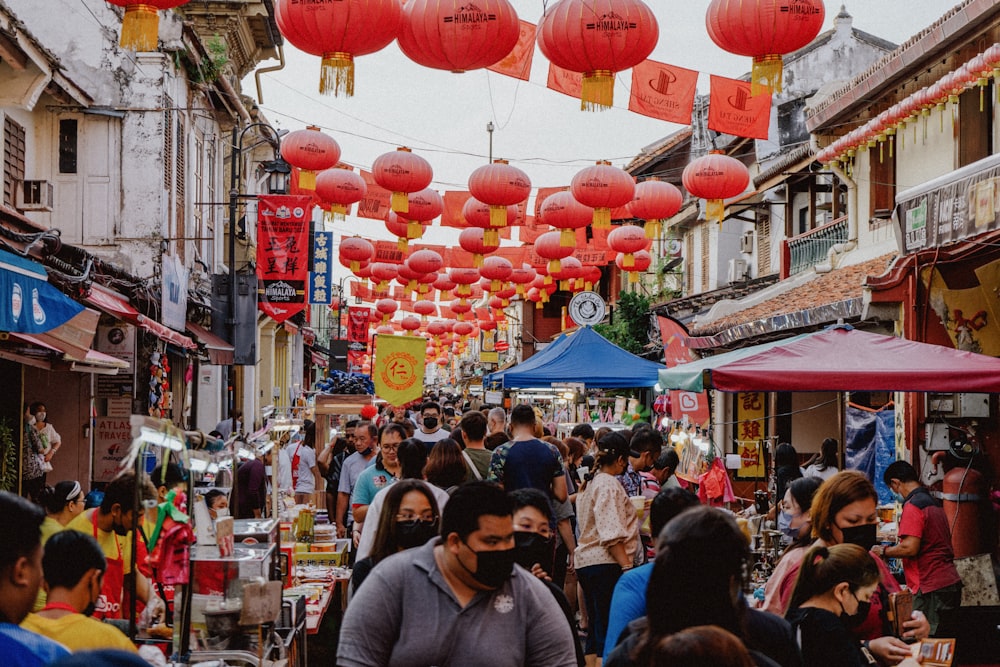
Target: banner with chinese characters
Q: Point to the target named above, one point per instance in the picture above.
(358, 318)
(750, 434)
(282, 254)
(399, 368)
(321, 277)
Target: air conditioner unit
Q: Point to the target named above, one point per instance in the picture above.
(35, 196)
(737, 270)
(746, 242)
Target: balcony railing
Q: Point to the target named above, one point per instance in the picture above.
(807, 250)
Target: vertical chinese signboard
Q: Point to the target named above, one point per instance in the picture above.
(750, 434)
(322, 274)
(358, 318)
(282, 254)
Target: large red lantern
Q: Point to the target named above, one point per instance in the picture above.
(463, 329)
(499, 185)
(340, 188)
(715, 177)
(356, 250)
(521, 277)
(410, 323)
(478, 214)
(464, 278)
(655, 201)
(457, 35)
(426, 282)
(597, 38)
(764, 30)
(570, 269)
(383, 272)
(422, 207)
(425, 261)
(460, 307)
(549, 246)
(424, 308)
(338, 32)
(141, 25)
(408, 278)
(402, 228)
(591, 276)
(640, 262)
(603, 187)
(562, 211)
(401, 172)
(627, 240)
(310, 150)
(496, 270)
(473, 240)
(443, 283)
(386, 307)
(436, 328)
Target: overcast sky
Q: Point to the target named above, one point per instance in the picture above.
(443, 116)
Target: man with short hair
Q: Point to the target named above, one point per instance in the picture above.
(496, 421)
(382, 474)
(644, 448)
(527, 462)
(74, 575)
(365, 438)
(430, 423)
(665, 468)
(234, 424)
(429, 605)
(924, 545)
(20, 578)
(584, 432)
(477, 457)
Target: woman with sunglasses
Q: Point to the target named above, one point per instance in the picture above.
(408, 519)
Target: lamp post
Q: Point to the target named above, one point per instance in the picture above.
(489, 129)
(277, 183)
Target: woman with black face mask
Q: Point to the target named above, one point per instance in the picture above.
(834, 590)
(844, 512)
(409, 519)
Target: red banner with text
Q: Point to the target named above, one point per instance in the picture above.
(733, 110)
(518, 62)
(282, 254)
(663, 91)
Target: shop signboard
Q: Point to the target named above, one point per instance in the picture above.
(112, 439)
(117, 340)
(283, 254)
(750, 434)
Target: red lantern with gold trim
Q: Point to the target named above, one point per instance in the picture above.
(715, 177)
(402, 228)
(477, 214)
(640, 262)
(570, 269)
(597, 38)
(425, 261)
(401, 172)
(386, 307)
(521, 277)
(410, 323)
(384, 272)
(425, 308)
(141, 24)
(340, 188)
(422, 207)
(562, 211)
(603, 187)
(460, 307)
(457, 35)
(627, 240)
(764, 30)
(473, 240)
(463, 278)
(654, 201)
(496, 270)
(499, 185)
(356, 250)
(338, 32)
(549, 246)
(311, 151)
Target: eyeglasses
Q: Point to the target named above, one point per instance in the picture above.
(427, 517)
(390, 448)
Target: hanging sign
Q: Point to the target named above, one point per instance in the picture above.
(732, 109)
(358, 318)
(282, 254)
(399, 368)
(750, 434)
(321, 277)
(663, 91)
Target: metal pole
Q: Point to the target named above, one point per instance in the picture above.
(489, 128)
(231, 321)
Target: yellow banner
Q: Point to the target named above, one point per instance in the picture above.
(750, 434)
(399, 368)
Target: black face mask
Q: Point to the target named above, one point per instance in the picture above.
(864, 536)
(430, 422)
(531, 548)
(410, 534)
(366, 452)
(858, 617)
(492, 567)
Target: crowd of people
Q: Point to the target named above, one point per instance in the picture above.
(480, 537)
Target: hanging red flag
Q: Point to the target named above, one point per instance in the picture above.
(564, 81)
(663, 91)
(733, 110)
(531, 230)
(540, 198)
(452, 214)
(375, 203)
(684, 404)
(282, 254)
(518, 62)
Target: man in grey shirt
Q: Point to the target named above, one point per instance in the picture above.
(458, 600)
(365, 438)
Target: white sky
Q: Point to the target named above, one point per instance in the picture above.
(443, 116)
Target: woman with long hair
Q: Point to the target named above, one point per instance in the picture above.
(609, 537)
(445, 465)
(826, 463)
(409, 518)
(796, 505)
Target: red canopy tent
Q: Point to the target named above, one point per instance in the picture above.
(839, 358)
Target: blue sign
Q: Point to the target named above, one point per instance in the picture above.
(28, 303)
(321, 276)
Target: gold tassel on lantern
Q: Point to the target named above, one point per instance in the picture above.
(401, 245)
(766, 74)
(519, 289)
(564, 285)
(567, 238)
(336, 74)
(538, 305)
(547, 280)
(140, 28)
(602, 218)
(491, 237)
(545, 296)
(477, 261)
(653, 229)
(399, 202)
(715, 209)
(597, 92)
(414, 230)
(495, 285)
(355, 266)
(498, 215)
(307, 179)
(628, 261)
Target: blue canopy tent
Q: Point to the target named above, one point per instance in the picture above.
(582, 356)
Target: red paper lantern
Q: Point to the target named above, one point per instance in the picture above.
(340, 188)
(715, 177)
(338, 32)
(410, 323)
(569, 270)
(424, 308)
(408, 278)
(386, 330)
(457, 35)
(141, 24)
(627, 240)
(444, 283)
(640, 262)
(386, 307)
(496, 302)
(496, 270)
(310, 150)
(463, 329)
(436, 328)
(384, 272)
(591, 276)
(535, 296)
(654, 201)
(473, 240)
(422, 207)
(499, 185)
(356, 250)
(487, 325)
(521, 277)
(425, 282)
(478, 214)
(562, 211)
(402, 172)
(425, 261)
(603, 187)
(403, 228)
(764, 30)
(597, 38)
(549, 246)
(464, 278)
(460, 307)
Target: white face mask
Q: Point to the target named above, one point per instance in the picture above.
(40, 417)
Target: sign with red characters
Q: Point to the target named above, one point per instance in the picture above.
(283, 254)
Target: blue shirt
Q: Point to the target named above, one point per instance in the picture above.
(23, 648)
(525, 464)
(627, 604)
(372, 479)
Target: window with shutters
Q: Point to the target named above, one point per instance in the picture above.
(883, 185)
(13, 160)
(706, 255)
(689, 262)
(168, 147)
(180, 208)
(975, 127)
(763, 245)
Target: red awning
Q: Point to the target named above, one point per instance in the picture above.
(90, 362)
(220, 353)
(319, 360)
(117, 306)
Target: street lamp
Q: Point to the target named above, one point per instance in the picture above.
(489, 129)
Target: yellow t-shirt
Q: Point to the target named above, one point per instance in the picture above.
(106, 539)
(78, 632)
(49, 528)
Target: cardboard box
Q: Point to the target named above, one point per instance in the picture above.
(336, 557)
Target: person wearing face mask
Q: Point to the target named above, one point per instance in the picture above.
(408, 519)
(51, 440)
(451, 588)
(844, 512)
(376, 477)
(217, 503)
(74, 568)
(430, 429)
(798, 529)
(833, 590)
(365, 439)
(644, 448)
(32, 458)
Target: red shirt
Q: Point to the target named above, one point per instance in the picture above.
(933, 568)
